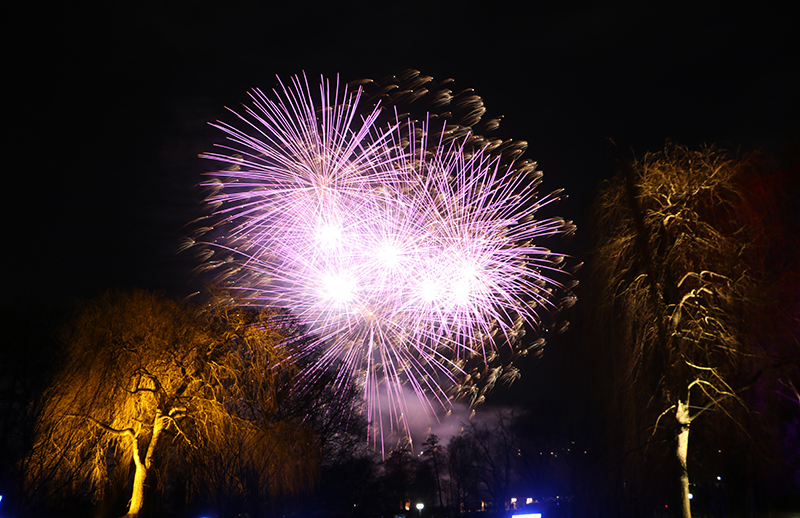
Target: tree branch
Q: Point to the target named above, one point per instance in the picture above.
(655, 427)
(104, 426)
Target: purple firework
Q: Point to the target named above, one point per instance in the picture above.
(402, 257)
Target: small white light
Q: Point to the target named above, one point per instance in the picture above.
(389, 255)
(719, 478)
(329, 235)
(691, 496)
(430, 290)
(339, 287)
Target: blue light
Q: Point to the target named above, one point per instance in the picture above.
(529, 515)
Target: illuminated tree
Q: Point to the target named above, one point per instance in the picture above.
(127, 377)
(678, 291)
(264, 444)
(146, 382)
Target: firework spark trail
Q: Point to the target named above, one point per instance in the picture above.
(402, 257)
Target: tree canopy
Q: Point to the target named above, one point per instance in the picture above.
(148, 385)
(677, 285)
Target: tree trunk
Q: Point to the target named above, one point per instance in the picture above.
(139, 477)
(436, 472)
(143, 468)
(682, 415)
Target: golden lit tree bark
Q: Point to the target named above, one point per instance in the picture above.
(682, 450)
(142, 468)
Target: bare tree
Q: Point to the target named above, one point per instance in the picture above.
(432, 450)
(399, 471)
(461, 461)
(497, 451)
(677, 292)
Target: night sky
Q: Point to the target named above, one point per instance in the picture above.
(108, 104)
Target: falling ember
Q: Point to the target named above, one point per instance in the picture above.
(404, 253)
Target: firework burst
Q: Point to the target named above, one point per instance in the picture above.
(406, 248)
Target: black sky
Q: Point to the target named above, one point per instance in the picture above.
(107, 103)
